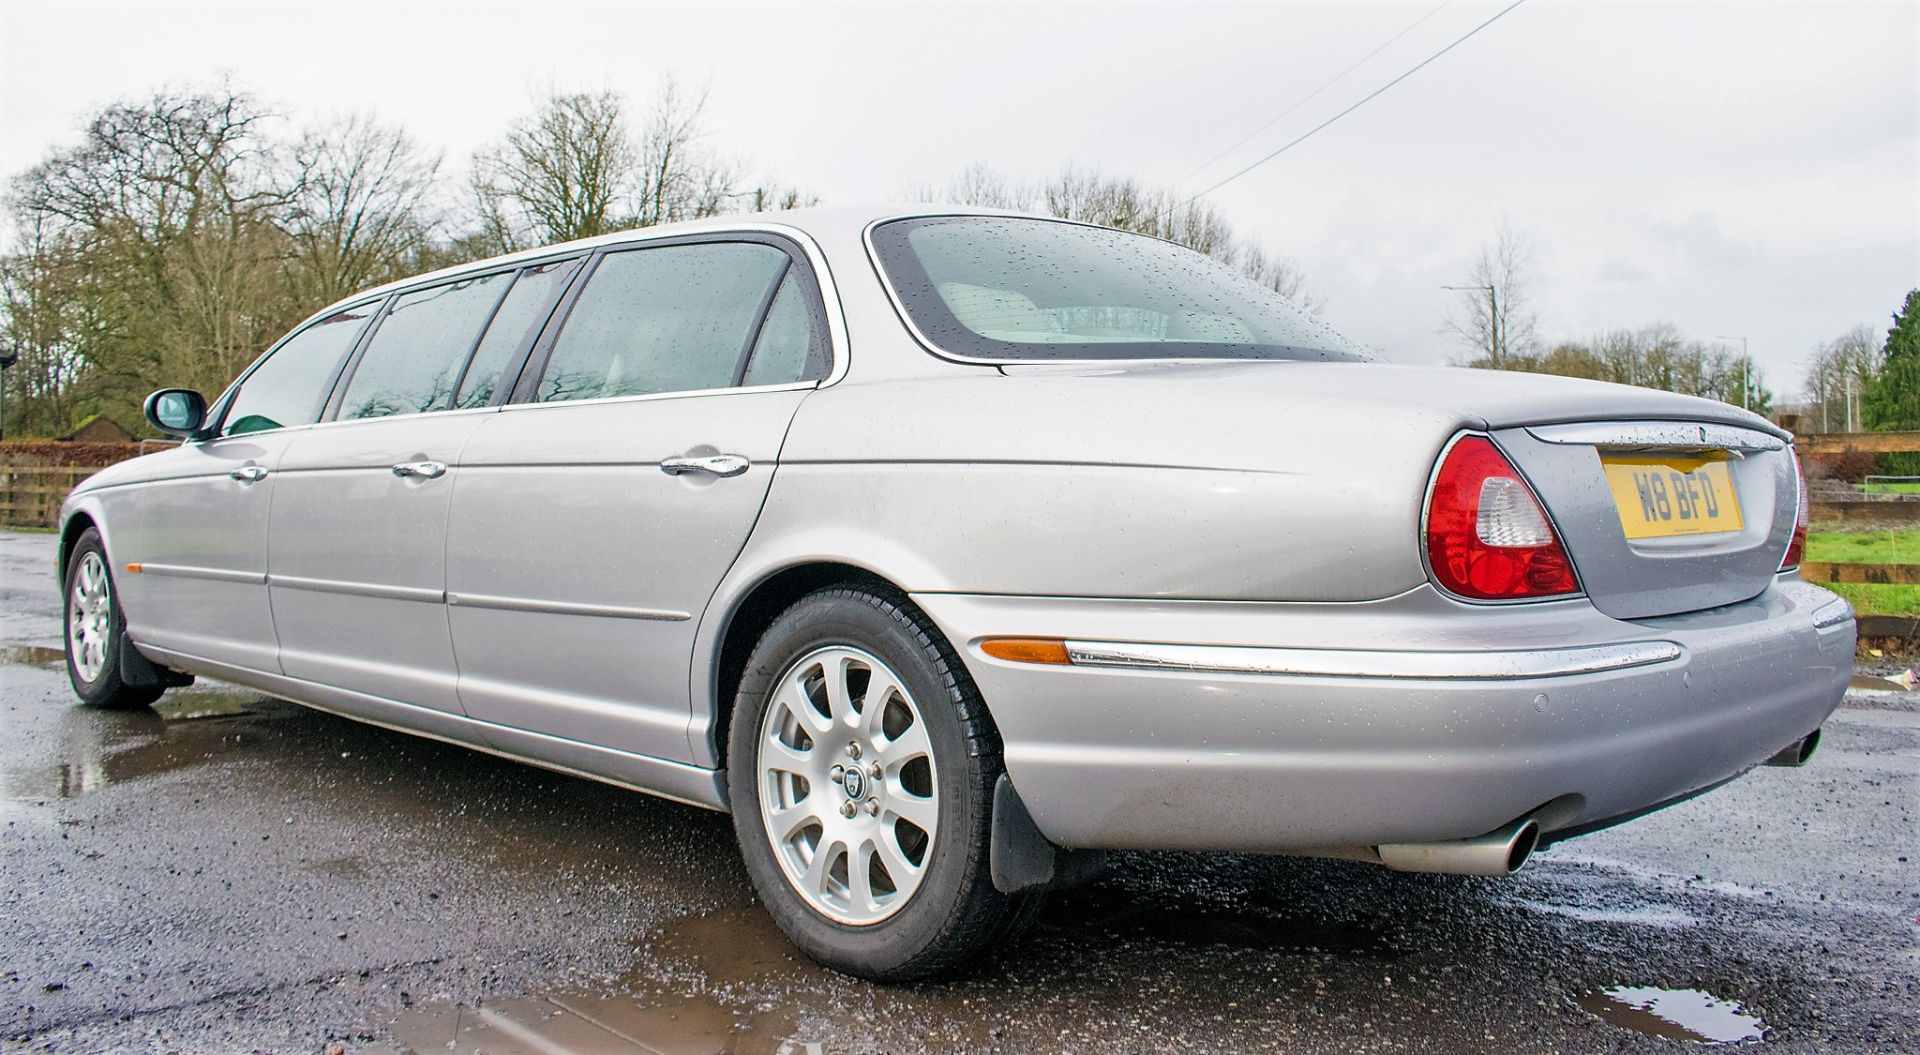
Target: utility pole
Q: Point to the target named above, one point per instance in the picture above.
(1496, 351)
(7, 359)
(1746, 373)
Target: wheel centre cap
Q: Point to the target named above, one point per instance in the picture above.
(854, 782)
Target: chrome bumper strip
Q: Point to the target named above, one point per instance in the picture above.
(1371, 663)
(1833, 613)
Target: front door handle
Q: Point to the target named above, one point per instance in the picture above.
(423, 470)
(249, 474)
(716, 464)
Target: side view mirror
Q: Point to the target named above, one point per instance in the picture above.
(178, 412)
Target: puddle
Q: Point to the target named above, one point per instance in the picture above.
(1870, 683)
(93, 749)
(739, 945)
(1677, 1014)
(597, 1025)
(31, 656)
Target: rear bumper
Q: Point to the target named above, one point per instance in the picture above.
(1324, 727)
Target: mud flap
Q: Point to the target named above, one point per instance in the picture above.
(1022, 860)
(139, 672)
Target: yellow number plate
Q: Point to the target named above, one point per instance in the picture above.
(1660, 496)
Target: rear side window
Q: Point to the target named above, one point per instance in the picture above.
(288, 388)
(520, 315)
(666, 319)
(790, 347)
(414, 359)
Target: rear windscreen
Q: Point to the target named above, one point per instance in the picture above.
(1013, 288)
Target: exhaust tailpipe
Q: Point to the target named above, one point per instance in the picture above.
(1497, 853)
(1797, 753)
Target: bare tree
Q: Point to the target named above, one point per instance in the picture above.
(982, 186)
(1838, 373)
(172, 204)
(1495, 319)
(1126, 204)
(566, 171)
(681, 177)
(1281, 275)
(361, 213)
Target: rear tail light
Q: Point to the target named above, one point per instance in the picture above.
(1487, 535)
(1797, 546)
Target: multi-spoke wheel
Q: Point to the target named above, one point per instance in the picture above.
(94, 626)
(861, 764)
(847, 790)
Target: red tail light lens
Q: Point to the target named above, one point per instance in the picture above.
(1487, 535)
(1797, 547)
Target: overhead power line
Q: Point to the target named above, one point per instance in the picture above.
(1368, 98)
(1309, 97)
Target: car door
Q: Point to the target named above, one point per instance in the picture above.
(597, 514)
(357, 571)
(199, 529)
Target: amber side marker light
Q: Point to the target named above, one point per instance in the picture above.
(135, 569)
(1026, 650)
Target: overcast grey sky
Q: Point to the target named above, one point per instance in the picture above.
(1731, 167)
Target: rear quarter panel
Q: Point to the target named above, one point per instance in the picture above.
(1103, 487)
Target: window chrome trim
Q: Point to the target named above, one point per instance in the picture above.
(605, 611)
(1372, 663)
(789, 386)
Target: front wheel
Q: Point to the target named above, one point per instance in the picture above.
(861, 765)
(95, 626)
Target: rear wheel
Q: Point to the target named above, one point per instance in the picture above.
(861, 767)
(95, 627)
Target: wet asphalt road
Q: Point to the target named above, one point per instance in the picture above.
(230, 873)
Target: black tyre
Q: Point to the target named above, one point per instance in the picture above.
(94, 628)
(861, 765)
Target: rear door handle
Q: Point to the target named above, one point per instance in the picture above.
(716, 464)
(249, 474)
(424, 470)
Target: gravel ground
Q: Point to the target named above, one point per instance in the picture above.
(234, 874)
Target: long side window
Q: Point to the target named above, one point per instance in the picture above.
(519, 317)
(665, 319)
(289, 386)
(415, 357)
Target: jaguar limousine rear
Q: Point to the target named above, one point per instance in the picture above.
(948, 550)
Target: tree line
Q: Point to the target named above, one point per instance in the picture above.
(1495, 322)
(186, 231)
(1857, 381)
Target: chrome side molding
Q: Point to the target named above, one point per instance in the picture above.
(1371, 663)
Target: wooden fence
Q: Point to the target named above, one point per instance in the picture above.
(30, 495)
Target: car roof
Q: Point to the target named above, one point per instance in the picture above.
(815, 222)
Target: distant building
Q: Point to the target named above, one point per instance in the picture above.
(98, 429)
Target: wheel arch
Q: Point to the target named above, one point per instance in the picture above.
(75, 525)
(738, 625)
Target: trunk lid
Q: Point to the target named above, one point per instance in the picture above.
(1698, 515)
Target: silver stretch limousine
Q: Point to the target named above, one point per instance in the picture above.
(948, 550)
